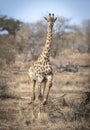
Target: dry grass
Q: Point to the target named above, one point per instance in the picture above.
(68, 107)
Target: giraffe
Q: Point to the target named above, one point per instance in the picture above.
(41, 70)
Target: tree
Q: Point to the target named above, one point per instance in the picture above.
(61, 30)
(62, 26)
(9, 24)
(86, 31)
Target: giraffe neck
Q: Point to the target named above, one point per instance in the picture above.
(46, 51)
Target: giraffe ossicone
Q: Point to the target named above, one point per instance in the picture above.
(41, 70)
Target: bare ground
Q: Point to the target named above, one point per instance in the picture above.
(68, 107)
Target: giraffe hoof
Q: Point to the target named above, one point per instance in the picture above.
(42, 116)
(30, 103)
(44, 102)
(33, 116)
(39, 115)
(40, 97)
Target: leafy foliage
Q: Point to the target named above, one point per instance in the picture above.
(9, 24)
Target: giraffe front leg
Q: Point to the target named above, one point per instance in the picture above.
(39, 96)
(47, 93)
(48, 87)
(43, 87)
(39, 92)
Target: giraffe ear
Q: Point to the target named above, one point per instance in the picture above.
(55, 19)
(46, 19)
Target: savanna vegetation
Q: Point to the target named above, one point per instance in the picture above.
(68, 107)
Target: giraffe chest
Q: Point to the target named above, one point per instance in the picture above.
(43, 68)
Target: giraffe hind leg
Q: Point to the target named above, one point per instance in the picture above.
(33, 98)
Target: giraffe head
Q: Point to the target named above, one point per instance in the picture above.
(51, 20)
